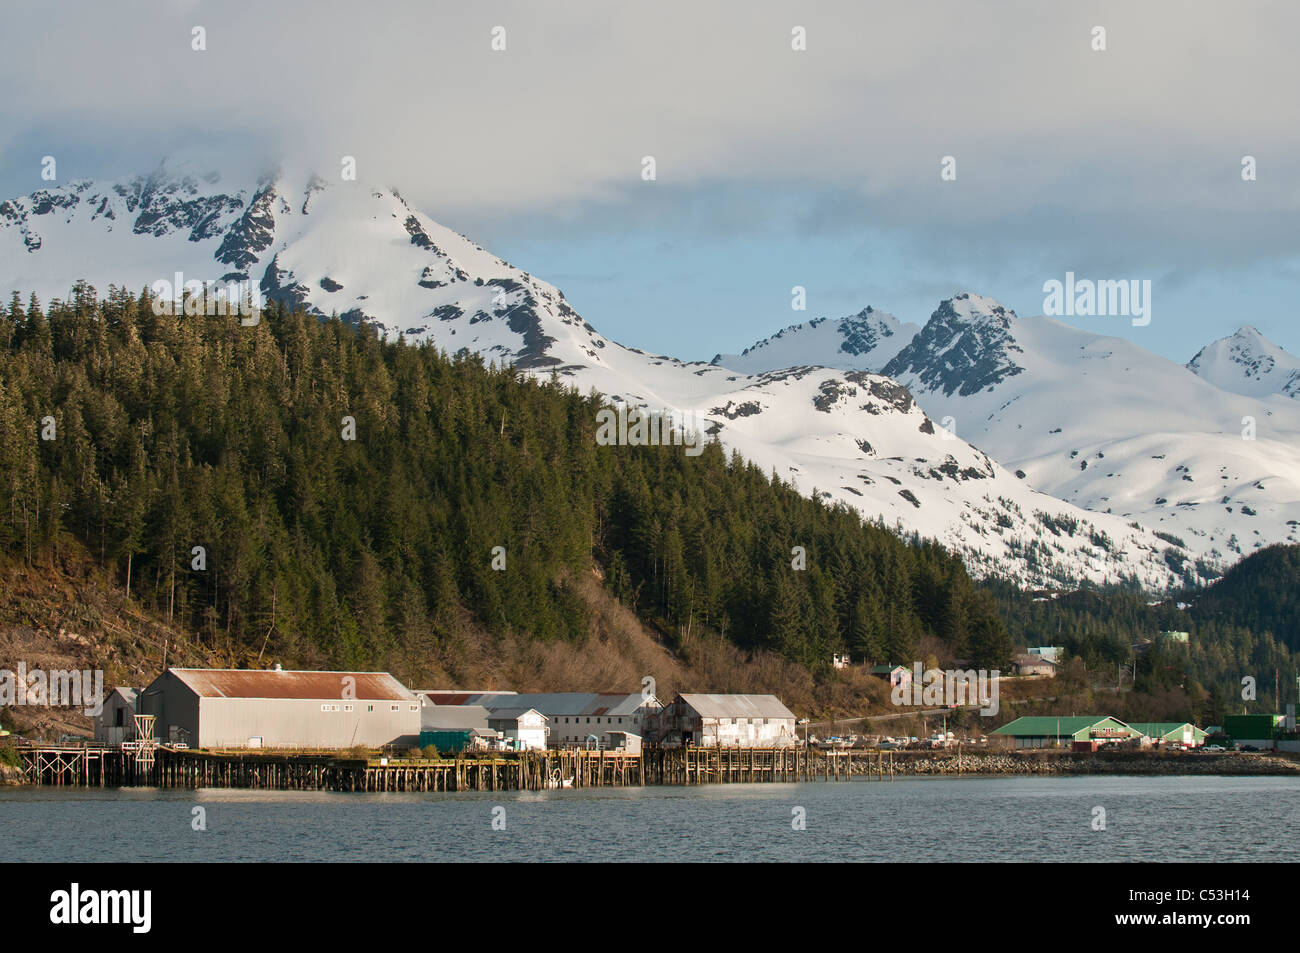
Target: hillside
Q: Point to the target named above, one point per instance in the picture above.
(368, 542)
(66, 613)
(1262, 593)
(377, 552)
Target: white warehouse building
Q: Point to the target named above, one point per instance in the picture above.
(258, 708)
(751, 721)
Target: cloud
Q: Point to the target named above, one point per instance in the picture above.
(1115, 162)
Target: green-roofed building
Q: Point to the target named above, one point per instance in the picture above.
(1049, 731)
(1171, 732)
(894, 674)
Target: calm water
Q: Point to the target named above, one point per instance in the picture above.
(915, 819)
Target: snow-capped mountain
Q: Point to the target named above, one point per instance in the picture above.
(1248, 363)
(1100, 422)
(341, 247)
(865, 341)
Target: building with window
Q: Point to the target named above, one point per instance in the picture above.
(523, 729)
(572, 718)
(1048, 731)
(752, 721)
(1171, 732)
(116, 721)
(894, 674)
(238, 708)
(1027, 664)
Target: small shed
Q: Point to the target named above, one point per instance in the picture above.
(115, 724)
(523, 729)
(623, 741)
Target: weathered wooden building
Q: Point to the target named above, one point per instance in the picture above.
(116, 721)
(753, 721)
(237, 708)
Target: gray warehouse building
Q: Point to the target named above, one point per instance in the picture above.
(247, 708)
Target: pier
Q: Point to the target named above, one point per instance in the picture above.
(166, 767)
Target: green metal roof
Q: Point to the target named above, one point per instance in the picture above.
(1158, 729)
(1049, 726)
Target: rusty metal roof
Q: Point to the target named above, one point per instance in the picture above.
(455, 698)
(261, 683)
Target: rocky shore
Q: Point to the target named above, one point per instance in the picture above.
(1072, 763)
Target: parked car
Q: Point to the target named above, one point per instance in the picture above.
(1214, 748)
(1247, 748)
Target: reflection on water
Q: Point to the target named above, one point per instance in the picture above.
(914, 819)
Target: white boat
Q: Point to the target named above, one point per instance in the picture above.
(555, 781)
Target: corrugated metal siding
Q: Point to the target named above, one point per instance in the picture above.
(300, 723)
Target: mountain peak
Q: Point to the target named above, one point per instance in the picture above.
(974, 308)
(965, 347)
(865, 341)
(1246, 362)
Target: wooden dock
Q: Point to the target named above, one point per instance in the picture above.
(164, 767)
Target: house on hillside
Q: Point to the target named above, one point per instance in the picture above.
(1026, 664)
(259, 708)
(894, 674)
(756, 721)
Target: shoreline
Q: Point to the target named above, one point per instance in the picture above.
(1044, 762)
(1008, 764)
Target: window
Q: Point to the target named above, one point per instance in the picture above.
(348, 707)
(370, 708)
(394, 707)
(415, 708)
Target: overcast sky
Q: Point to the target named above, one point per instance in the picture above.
(775, 167)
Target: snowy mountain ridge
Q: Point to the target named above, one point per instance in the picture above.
(846, 433)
